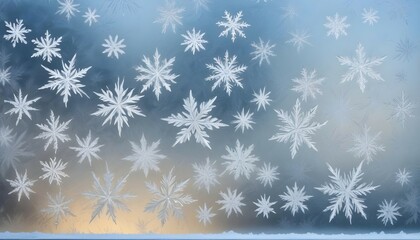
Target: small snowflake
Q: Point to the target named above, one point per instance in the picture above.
(205, 175)
(262, 51)
(47, 47)
(232, 201)
(113, 47)
(366, 146)
(53, 170)
(299, 39)
(261, 98)
(240, 161)
(204, 214)
(267, 174)
(295, 199)
(91, 16)
(13, 148)
(57, 207)
(21, 106)
(402, 109)
(87, 148)
(243, 120)
(5, 75)
(233, 25)
(22, 185)
(308, 85)
(264, 206)
(170, 15)
(194, 41)
(6, 136)
(403, 177)
(68, 8)
(405, 50)
(370, 16)
(16, 32)
(411, 205)
(336, 25)
(388, 212)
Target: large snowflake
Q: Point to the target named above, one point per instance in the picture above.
(360, 68)
(22, 185)
(170, 15)
(21, 106)
(156, 74)
(87, 148)
(225, 72)
(240, 161)
(308, 85)
(47, 47)
(66, 81)
(366, 146)
(119, 106)
(205, 175)
(233, 25)
(336, 26)
(347, 192)
(195, 121)
(16, 32)
(231, 202)
(168, 197)
(297, 128)
(57, 207)
(295, 199)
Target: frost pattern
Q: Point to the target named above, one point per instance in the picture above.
(68, 8)
(370, 16)
(267, 174)
(402, 109)
(113, 47)
(204, 214)
(262, 51)
(243, 120)
(194, 41)
(170, 15)
(299, 40)
(262, 99)
(205, 175)
(403, 177)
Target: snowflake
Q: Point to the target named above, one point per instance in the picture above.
(121, 106)
(6, 136)
(308, 85)
(91, 16)
(370, 16)
(168, 197)
(193, 41)
(231, 202)
(87, 148)
(225, 72)
(295, 199)
(233, 25)
(388, 212)
(264, 206)
(360, 67)
(240, 161)
(337, 25)
(21, 106)
(53, 131)
(66, 81)
(16, 32)
(243, 120)
(403, 177)
(405, 50)
(108, 195)
(5, 75)
(262, 51)
(297, 128)
(68, 8)
(157, 74)
(267, 174)
(346, 191)
(47, 47)
(261, 98)
(205, 175)
(366, 146)
(170, 15)
(299, 39)
(53, 170)
(411, 206)
(113, 47)
(57, 207)
(402, 109)
(195, 121)
(204, 214)
(22, 184)
(145, 157)
(13, 148)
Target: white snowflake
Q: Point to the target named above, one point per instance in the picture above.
(168, 197)
(54, 131)
(264, 206)
(22, 185)
(336, 25)
(13, 148)
(411, 206)
(119, 106)
(308, 85)
(299, 39)
(204, 214)
(67, 80)
(388, 212)
(16, 32)
(195, 121)
(205, 175)
(170, 15)
(261, 98)
(53, 170)
(232, 201)
(157, 74)
(295, 199)
(108, 195)
(21, 106)
(297, 128)
(267, 174)
(5, 75)
(366, 146)
(225, 72)
(113, 47)
(91, 16)
(233, 25)
(403, 177)
(87, 148)
(370, 16)
(194, 41)
(6, 136)
(360, 68)
(240, 161)
(145, 157)
(57, 207)
(243, 120)
(47, 47)
(262, 51)
(402, 109)
(346, 192)
(67, 7)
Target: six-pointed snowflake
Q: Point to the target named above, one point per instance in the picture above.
(204, 214)
(91, 16)
(57, 207)
(47, 47)
(299, 40)
(194, 41)
(12, 148)
(402, 109)
(113, 47)
(370, 16)
(22, 185)
(16, 32)
(308, 85)
(261, 98)
(170, 15)
(295, 199)
(243, 120)
(231, 201)
(87, 148)
(240, 161)
(233, 25)
(21, 106)
(205, 175)
(53, 171)
(336, 26)
(403, 177)
(366, 146)
(388, 212)
(262, 51)
(267, 174)
(68, 8)
(264, 206)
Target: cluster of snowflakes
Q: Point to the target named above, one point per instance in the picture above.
(119, 104)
